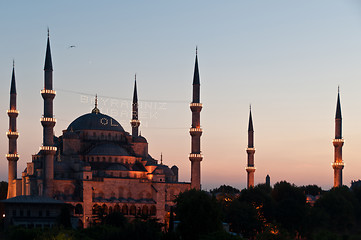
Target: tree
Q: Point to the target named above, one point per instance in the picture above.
(198, 213)
(335, 210)
(243, 218)
(290, 208)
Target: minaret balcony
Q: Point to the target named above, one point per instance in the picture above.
(196, 106)
(10, 134)
(338, 140)
(12, 156)
(47, 122)
(195, 131)
(47, 119)
(250, 149)
(48, 148)
(250, 169)
(195, 157)
(12, 112)
(134, 123)
(48, 93)
(338, 165)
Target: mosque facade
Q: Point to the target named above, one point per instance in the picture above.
(97, 166)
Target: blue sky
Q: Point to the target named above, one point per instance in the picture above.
(286, 58)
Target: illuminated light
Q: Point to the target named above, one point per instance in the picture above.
(338, 140)
(251, 149)
(47, 148)
(195, 130)
(48, 91)
(195, 155)
(12, 111)
(338, 164)
(46, 119)
(250, 168)
(134, 121)
(12, 133)
(196, 104)
(12, 155)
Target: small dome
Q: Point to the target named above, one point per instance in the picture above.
(139, 139)
(95, 121)
(108, 149)
(119, 167)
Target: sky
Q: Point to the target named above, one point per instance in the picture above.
(286, 58)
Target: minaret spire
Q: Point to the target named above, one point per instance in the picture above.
(13, 135)
(338, 142)
(196, 131)
(134, 122)
(96, 109)
(250, 152)
(48, 121)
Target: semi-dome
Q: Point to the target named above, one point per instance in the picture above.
(108, 149)
(95, 121)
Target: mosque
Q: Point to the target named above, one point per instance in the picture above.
(95, 164)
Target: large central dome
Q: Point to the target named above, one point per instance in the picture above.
(95, 121)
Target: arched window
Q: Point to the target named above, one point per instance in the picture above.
(145, 210)
(117, 208)
(125, 209)
(95, 209)
(78, 209)
(153, 210)
(105, 209)
(132, 210)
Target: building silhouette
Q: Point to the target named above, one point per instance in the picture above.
(95, 164)
(250, 169)
(338, 141)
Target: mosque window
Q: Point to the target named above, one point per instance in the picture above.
(125, 209)
(145, 210)
(95, 208)
(105, 209)
(117, 208)
(78, 209)
(153, 210)
(132, 210)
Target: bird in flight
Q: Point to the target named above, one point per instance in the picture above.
(72, 46)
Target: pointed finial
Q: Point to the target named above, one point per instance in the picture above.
(161, 158)
(48, 32)
(96, 110)
(13, 63)
(250, 107)
(338, 89)
(196, 50)
(140, 133)
(135, 76)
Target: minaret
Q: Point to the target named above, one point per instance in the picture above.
(338, 164)
(48, 122)
(196, 131)
(135, 123)
(13, 135)
(250, 153)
